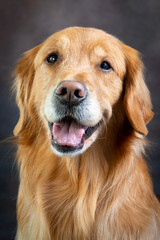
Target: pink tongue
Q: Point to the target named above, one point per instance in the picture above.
(68, 133)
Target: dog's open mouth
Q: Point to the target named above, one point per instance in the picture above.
(68, 135)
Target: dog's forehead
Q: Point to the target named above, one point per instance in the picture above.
(78, 37)
(77, 33)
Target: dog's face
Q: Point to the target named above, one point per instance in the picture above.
(82, 80)
(76, 77)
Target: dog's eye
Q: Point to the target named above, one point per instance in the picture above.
(52, 58)
(105, 66)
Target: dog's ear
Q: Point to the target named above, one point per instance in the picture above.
(24, 75)
(137, 101)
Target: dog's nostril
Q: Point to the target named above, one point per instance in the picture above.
(79, 93)
(63, 91)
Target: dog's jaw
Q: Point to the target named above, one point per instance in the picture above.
(86, 145)
(70, 138)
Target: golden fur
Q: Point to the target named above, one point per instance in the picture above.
(105, 192)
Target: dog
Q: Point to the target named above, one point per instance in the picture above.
(84, 107)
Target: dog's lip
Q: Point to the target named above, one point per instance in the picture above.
(86, 133)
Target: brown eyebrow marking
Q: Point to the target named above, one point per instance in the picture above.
(99, 51)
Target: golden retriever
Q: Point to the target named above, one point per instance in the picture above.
(84, 107)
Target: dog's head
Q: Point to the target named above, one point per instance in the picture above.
(70, 83)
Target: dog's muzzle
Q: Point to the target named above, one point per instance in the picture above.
(69, 133)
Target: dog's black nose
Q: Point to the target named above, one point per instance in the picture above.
(71, 92)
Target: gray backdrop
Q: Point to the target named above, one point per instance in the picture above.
(25, 24)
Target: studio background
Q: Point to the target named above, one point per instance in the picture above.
(25, 24)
